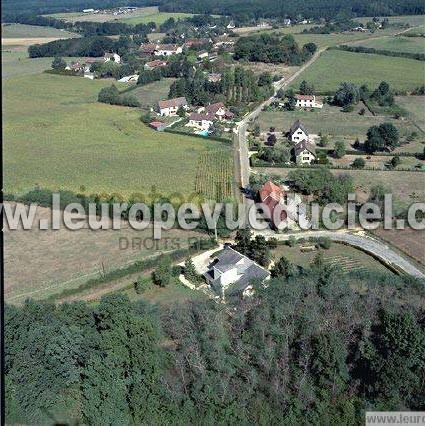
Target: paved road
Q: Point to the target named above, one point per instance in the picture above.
(241, 142)
(364, 242)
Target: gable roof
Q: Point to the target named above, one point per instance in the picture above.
(304, 145)
(213, 108)
(271, 195)
(172, 103)
(305, 97)
(200, 117)
(297, 125)
(168, 47)
(148, 47)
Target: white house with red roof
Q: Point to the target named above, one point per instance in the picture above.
(308, 101)
(171, 106)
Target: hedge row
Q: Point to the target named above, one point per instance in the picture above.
(361, 49)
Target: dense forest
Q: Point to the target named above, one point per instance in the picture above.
(314, 347)
(240, 10)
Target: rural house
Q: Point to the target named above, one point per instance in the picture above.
(200, 121)
(233, 268)
(195, 42)
(307, 101)
(298, 132)
(149, 66)
(171, 106)
(147, 49)
(304, 152)
(167, 50)
(112, 57)
(218, 110)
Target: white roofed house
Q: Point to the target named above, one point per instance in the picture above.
(231, 269)
(200, 121)
(171, 106)
(112, 57)
(298, 132)
(308, 101)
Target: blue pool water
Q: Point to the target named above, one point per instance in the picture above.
(204, 133)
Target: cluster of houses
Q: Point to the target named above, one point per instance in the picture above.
(84, 67)
(201, 119)
(157, 49)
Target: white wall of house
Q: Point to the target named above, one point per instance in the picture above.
(298, 136)
(201, 125)
(305, 157)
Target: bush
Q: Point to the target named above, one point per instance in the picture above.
(142, 285)
(358, 163)
(291, 241)
(324, 242)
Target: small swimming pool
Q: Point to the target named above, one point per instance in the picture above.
(204, 133)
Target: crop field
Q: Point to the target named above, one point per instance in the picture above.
(150, 94)
(334, 67)
(415, 106)
(56, 135)
(407, 187)
(22, 31)
(395, 44)
(332, 121)
(346, 257)
(142, 15)
(34, 265)
(214, 177)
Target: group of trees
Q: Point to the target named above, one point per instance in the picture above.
(237, 85)
(256, 249)
(308, 348)
(380, 138)
(275, 154)
(272, 48)
(111, 95)
(321, 183)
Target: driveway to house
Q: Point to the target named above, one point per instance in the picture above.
(363, 242)
(202, 260)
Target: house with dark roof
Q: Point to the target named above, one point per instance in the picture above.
(171, 106)
(304, 153)
(200, 121)
(231, 268)
(298, 132)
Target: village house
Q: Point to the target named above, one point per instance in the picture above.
(167, 50)
(195, 42)
(88, 74)
(76, 67)
(298, 132)
(231, 268)
(112, 57)
(147, 49)
(203, 54)
(149, 66)
(307, 101)
(218, 110)
(171, 106)
(304, 153)
(200, 121)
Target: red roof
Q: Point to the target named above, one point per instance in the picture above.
(172, 103)
(156, 124)
(271, 195)
(200, 117)
(212, 109)
(304, 97)
(156, 63)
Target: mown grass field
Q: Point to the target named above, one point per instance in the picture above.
(419, 30)
(396, 44)
(158, 17)
(334, 67)
(56, 135)
(405, 19)
(333, 122)
(32, 31)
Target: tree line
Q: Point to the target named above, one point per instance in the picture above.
(317, 346)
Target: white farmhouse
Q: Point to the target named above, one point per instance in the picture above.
(308, 101)
(167, 50)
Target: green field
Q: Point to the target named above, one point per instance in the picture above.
(56, 135)
(334, 67)
(406, 19)
(150, 94)
(415, 106)
(396, 44)
(419, 30)
(159, 18)
(24, 31)
(331, 121)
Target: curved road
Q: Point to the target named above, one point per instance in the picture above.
(365, 243)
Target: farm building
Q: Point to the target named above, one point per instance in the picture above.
(307, 101)
(171, 106)
(159, 126)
